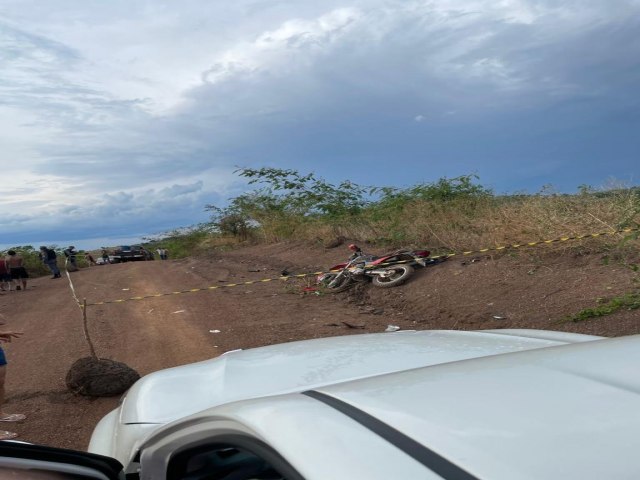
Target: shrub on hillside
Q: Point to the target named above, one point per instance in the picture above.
(448, 215)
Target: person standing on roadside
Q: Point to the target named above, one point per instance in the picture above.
(50, 259)
(71, 253)
(7, 336)
(105, 256)
(90, 259)
(5, 276)
(18, 273)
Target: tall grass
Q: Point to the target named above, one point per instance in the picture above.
(449, 215)
(467, 224)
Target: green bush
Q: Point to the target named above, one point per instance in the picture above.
(448, 215)
(31, 260)
(629, 301)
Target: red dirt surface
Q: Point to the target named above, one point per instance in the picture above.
(527, 289)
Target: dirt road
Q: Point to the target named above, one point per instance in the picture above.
(147, 335)
(507, 292)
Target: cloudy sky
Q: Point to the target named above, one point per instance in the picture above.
(123, 118)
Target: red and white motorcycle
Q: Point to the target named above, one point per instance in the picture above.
(386, 271)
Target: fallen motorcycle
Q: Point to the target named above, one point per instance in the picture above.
(386, 271)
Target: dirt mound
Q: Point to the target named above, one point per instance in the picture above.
(529, 288)
(100, 377)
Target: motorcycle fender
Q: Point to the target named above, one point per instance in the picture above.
(381, 272)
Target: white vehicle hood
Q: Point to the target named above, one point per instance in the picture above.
(565, 412)
(170, 394)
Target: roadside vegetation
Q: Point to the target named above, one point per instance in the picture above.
(446, 216)
(449, 215)
(629, 301)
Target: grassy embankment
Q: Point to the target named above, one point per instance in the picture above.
(450, 215)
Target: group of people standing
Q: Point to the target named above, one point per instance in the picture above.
(12, 272)
(50, 258)
(14, 275)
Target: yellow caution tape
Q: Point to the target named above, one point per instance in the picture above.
(302, 275)
(533, 244)
(212, 287)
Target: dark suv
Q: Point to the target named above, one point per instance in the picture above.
(127, 253)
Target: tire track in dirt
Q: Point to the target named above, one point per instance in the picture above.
(158, 332)
(147, 335)
(53, 339)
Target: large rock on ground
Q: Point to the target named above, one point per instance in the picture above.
(100, 377)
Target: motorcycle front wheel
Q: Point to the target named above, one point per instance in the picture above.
(397, 275)
(332, 285)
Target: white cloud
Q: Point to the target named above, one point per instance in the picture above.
(114, 107)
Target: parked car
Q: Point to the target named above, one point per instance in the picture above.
(128, 253)
(494, 404)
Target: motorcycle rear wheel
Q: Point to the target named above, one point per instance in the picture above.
(400, 275)
(343, 283)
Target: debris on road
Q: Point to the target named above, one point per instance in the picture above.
(354, 325)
